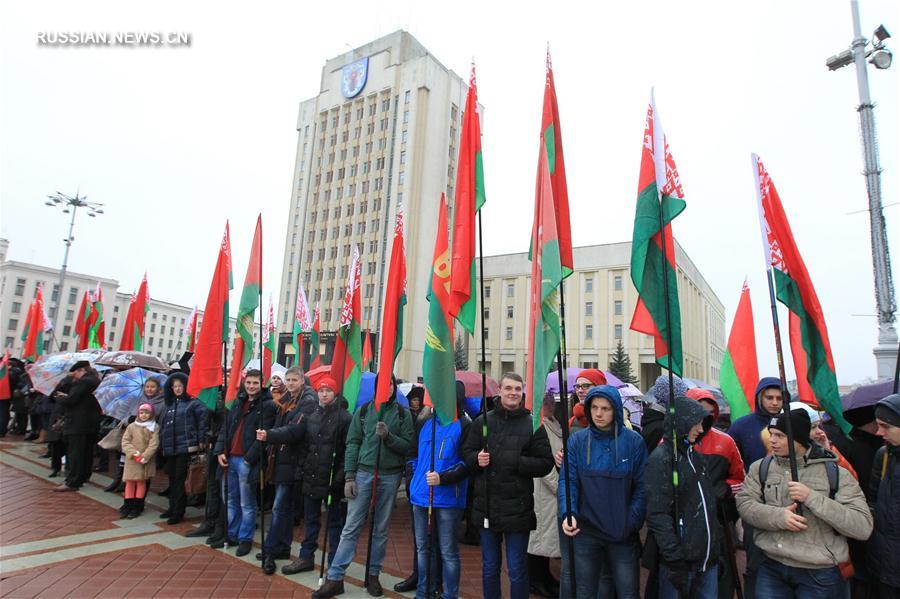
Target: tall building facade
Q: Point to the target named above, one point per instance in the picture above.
(600, 300)
(382, 133)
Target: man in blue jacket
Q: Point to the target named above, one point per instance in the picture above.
(448, 480)
(746, 430)
(608, 505)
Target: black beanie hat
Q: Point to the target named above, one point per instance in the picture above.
(800, 425)
(888, 410)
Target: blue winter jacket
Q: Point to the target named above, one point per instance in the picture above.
(606, 474)
(451, 493)
(183, 423)
(746, 430)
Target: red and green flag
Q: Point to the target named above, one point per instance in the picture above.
(301, 324)
(740, 371)
(543, 298)
(653, 246)
(794, 289)
(250, 301)
(5, 392)
(133, 329)
(367, 357)
(81, 322)
(438, 362)
(207, 372)
(96, 324)
(551, 131)
(37, 324)
(315, 360)
(469, 200)
(190, 331)
(270, 338)
(346, 361)
(391, 338)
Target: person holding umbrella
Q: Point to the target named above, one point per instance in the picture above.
(81, 414)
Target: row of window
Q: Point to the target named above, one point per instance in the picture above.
(588, 332)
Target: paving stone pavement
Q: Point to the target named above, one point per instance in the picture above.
(75, 545)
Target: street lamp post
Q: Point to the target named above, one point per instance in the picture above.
(876, 53)
(68, 204)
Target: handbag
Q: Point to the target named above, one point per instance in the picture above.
(59, 425)
(112, 441)
(195, 481)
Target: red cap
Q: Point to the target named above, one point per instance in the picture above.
(326, 381)
(593, 375)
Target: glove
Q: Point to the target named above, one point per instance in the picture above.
(381, 429)
(350, 489)
(679, 577)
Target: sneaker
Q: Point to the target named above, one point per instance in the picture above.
(244, 548)
(301, 564)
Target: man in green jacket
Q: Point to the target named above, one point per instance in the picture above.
(802, 551)
(383, 437)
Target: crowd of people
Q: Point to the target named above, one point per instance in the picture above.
(674, 488)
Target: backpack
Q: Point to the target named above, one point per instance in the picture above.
(831, 471)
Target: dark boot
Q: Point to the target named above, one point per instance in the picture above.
(410, 584)
(139, 505)
(301, 564)
(116, 481)
(373, 586)
(136, 509)
(329, 589)
(204, 530)
(126, 508)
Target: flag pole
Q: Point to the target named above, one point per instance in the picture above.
(263, 458)
(430, 530)
(564, 426)
(786, 410)
(484, 403)
(374, 501)
(328, 503)
(223, 429)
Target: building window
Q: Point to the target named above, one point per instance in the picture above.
(55, 295)
(487, 313)
(152, 327)
(67, 330)
(16, 306)
(327, 315)
(13, 323)
(617, 282)
(405, 116)
(588, 308)
(20, 287)
(617, 307)
(589, 331)
(487, 292)
(509, 311)
(406, 97)
(114, 321)
(618, 331)
(63, 346)
(511, 290)
(403, 157)
(73, 295)
(485, 332)
(71, 313)
(588, 285)
(509, 333)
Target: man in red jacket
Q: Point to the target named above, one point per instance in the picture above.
(726, 473)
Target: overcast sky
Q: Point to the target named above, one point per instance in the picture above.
(174, 140)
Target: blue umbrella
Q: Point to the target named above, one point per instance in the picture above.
(367, 391)
(120, 393)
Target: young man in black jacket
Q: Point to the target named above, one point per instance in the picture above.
(242, 457)
(503, 478)
(82, 421)
(687, 533)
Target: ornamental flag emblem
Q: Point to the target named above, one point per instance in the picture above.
(353, 77)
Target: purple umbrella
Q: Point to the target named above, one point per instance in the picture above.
(552, 384)
(867, 395)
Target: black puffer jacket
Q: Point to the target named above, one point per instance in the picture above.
(884, 547)
(518, 456)
(80, 407)
(326, 430)
(285, 442)
(697, 543)
(233, 419)
(183, 425)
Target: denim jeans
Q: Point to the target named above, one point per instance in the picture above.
(776, 581)
(241, 500)
(610, 569)
(516, 550)
(704, 585)
(281, 530)
(357, 511)
(312, 523)
(445, 550)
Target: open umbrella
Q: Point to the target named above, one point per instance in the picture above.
(51, 369)
(367, 391)
(120, 393)
(552, 384)
(867, 395)
(124, 360)
(472, 382)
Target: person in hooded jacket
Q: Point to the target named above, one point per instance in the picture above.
(884, 498)
(802, 552)
(503, 477)
(726, 473)
(448, 480)
(746, 429)
(82, 422)
(182, 433)
(687, 533)
(387, 433)
(606, 465)
(656, 404)
(241, 456)
(587, 378)
(285, 447)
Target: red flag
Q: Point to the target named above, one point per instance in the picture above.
(315, 357)
(5, 392)
(81, 322)
(96, 323)
(552, 133)
(206, 370)
(367, 352)
(191, 330)
(250, 300)
(392, 317)
(37, 324)
(347, 357)
(268, 342)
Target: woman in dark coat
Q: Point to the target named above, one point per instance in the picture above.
(183, 433)
(82, 414)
